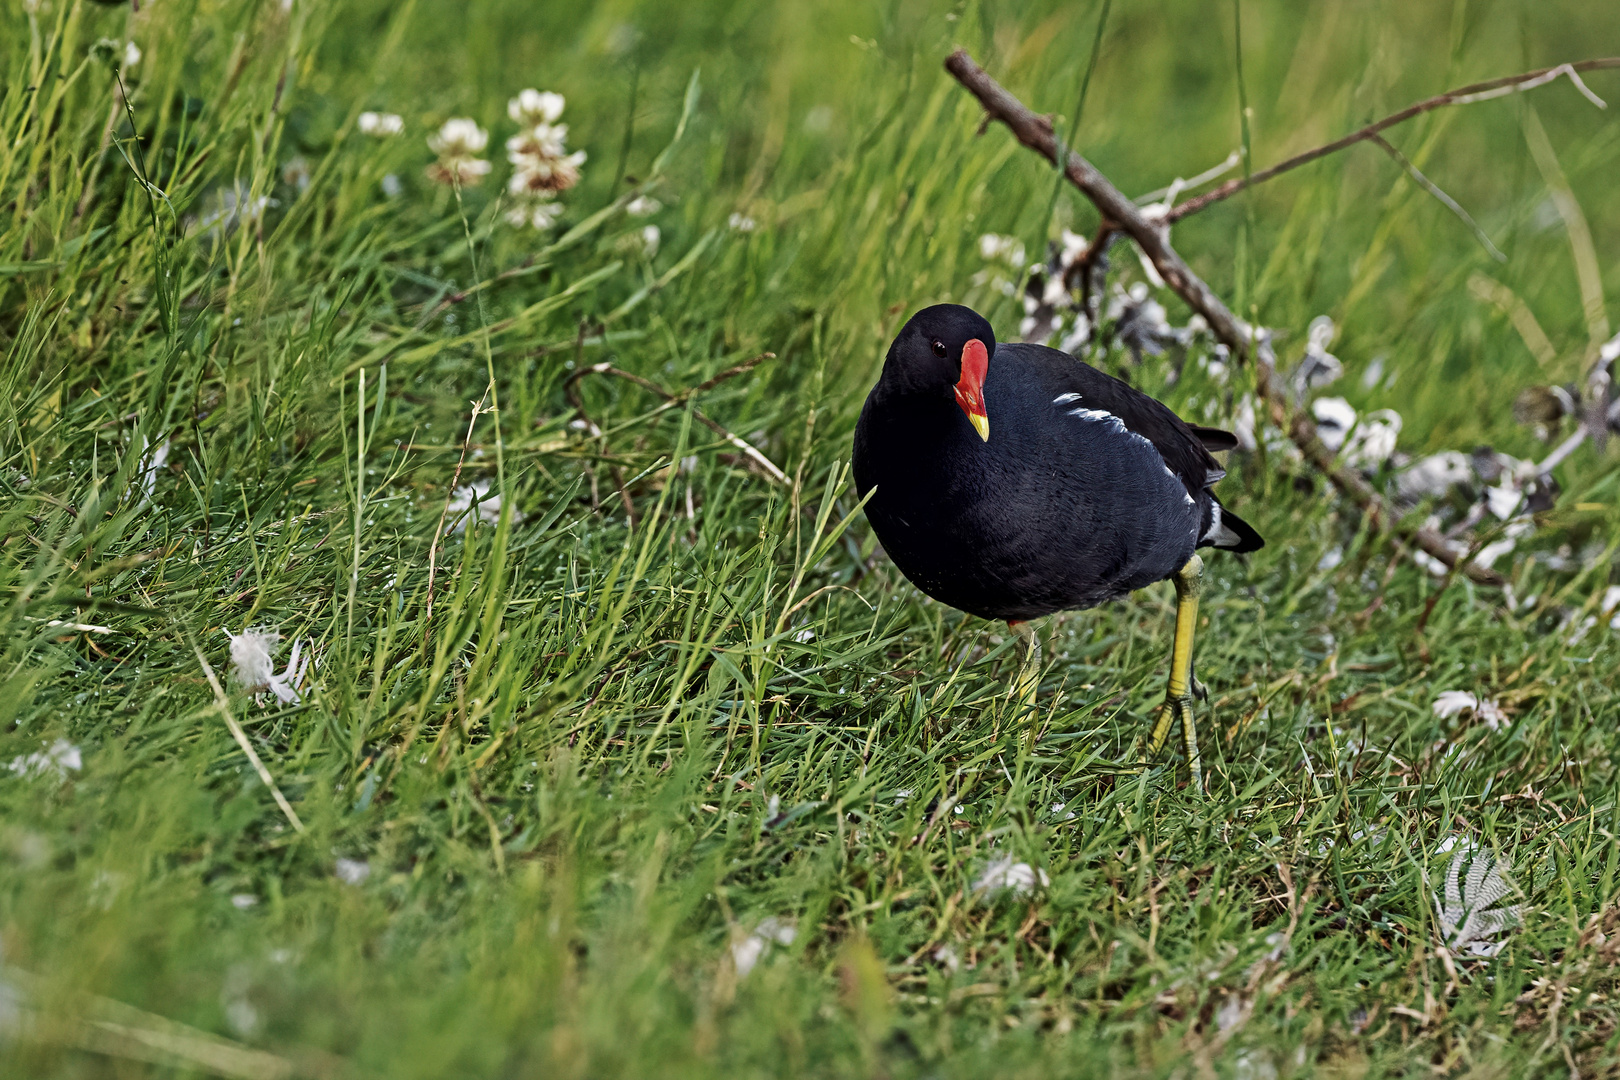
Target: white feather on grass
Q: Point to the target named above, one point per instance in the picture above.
(1472, 917)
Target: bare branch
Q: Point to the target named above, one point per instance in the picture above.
(1463, 95)
(1153, 238)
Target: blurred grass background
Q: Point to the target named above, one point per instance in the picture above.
(567, 803)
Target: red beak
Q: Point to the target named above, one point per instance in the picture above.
(970, 388)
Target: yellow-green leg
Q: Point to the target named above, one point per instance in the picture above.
(1178, 700)
(1029, 672)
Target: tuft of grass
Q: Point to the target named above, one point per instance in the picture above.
(658, 768)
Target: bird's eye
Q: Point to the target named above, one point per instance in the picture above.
(939, 348)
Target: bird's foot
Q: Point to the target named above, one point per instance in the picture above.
(1176, 708)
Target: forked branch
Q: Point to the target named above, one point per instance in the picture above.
(1463, 95)
(1153, 237)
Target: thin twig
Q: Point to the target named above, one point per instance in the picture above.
(1089, 272)
(1463, 95)
(1152, 237)
(223, 704)
(674, 400)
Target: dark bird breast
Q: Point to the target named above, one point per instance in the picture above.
(1085, 491)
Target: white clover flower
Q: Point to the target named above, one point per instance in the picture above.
(457, 142)
(740, 222)
(643, 206)
(254, 669)
(533, 212)
(381, 125)
(132, 54)
(642, 242)
(58, 759)
(392, 186)
(537, 173)
(536, 107)
(1006, 875)
(458, 137)
(465, 172)
(533, 209)
(540, 142)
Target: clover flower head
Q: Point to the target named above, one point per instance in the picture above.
(381, 125)
(542, 163)
(542, 141)
(536, 209)
(539, 173)
(536, 107)
(463, 171)
(643, 241)
(458, 137)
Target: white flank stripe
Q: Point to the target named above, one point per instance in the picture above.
(1064, 399)
(1099, 414)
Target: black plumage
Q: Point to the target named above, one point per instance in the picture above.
(1084, 490)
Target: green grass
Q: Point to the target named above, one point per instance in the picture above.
(615, 749)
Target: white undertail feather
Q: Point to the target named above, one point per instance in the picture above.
(1217, 533)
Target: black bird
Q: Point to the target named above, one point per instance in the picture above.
(1012, 481)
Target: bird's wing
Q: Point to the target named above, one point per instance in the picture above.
(1185, 448)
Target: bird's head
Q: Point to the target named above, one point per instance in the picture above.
(945, 347)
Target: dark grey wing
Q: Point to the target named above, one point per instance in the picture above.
(1185, 449)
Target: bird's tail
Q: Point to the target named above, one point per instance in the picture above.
(1225, 530)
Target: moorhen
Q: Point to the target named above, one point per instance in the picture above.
(1011, 481)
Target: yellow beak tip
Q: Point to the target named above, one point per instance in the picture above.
(981, 424)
